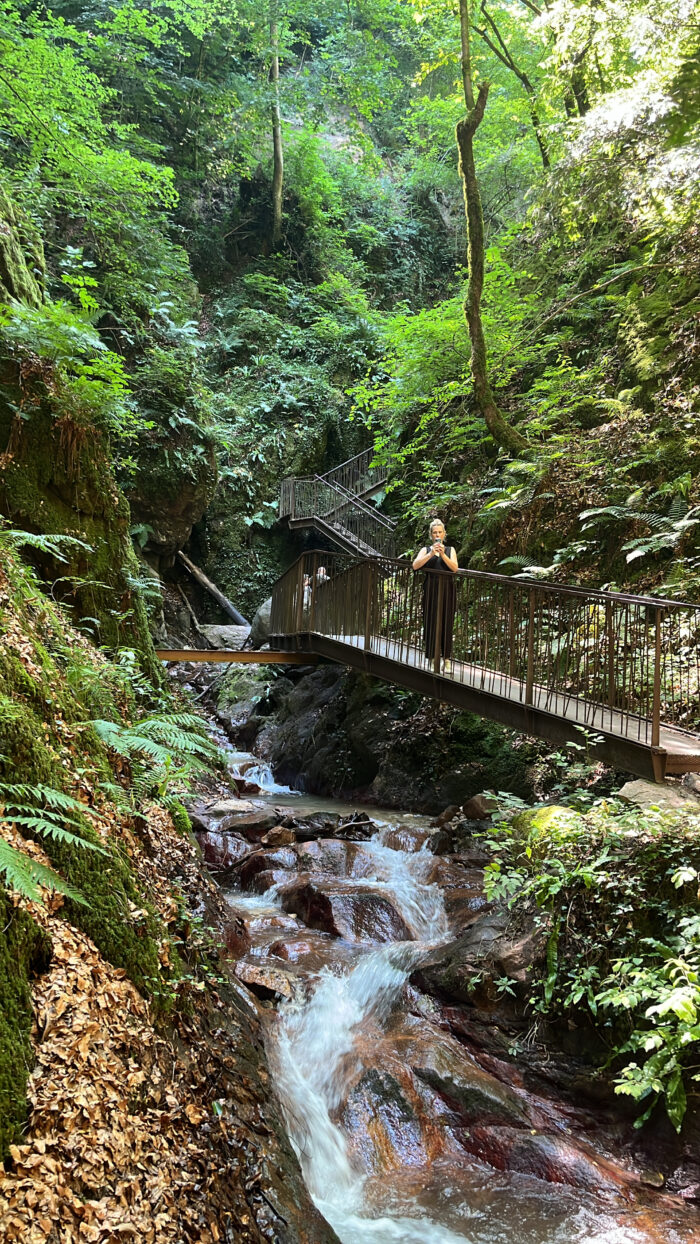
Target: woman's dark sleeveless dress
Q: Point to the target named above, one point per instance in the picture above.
(431, 589)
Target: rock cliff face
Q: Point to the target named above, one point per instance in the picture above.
(56, 473)
(337, 732)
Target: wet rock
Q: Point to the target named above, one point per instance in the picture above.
(281, 859)
(464, 905)
(295, 948)
(265, 980)
(222, 850)
(473, 1093)
(248, 788)
(407, 838)
(269, 877)
(473, 855)
(546, 1156)
(278, 836)
(224, 807)
(385, 1124)
(335, 858)
(252, 825)
(357, 915)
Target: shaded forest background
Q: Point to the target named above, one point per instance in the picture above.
(166, 310)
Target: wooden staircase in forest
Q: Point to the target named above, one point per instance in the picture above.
(336, 504)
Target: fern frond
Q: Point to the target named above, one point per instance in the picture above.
(52, 544)
(50, 829)
(25, 875)
(11, 792)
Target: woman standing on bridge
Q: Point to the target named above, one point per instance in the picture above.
(441, 558)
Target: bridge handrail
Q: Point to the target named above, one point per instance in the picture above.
(544, 585)
(634, 658)
(345, 496)
(355, 470)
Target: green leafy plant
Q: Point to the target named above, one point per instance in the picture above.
(50, 813)
(614, 890)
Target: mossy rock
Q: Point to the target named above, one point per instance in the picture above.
(538, 828)
(22, 267)
(25, 951)
(46, 489)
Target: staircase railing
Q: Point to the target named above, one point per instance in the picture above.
(357, 475)
(334, 505)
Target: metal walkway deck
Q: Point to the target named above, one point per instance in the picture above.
(550, 661)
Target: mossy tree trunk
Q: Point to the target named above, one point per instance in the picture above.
(277, 149)
(500, 430)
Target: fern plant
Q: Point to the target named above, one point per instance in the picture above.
(666, 530)
(163, 748)
(48, 812)
(54, 545)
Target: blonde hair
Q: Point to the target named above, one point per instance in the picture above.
(433, 523)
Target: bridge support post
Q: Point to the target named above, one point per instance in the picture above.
(369, 582)
(299, 620)
(656, 702)
(530, 673)
(312, 606)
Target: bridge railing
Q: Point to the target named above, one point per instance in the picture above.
(611, 661)
(357, 475)
(316, 498)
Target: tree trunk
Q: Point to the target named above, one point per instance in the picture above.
(277, 151)
(502, 51)
(500, 430)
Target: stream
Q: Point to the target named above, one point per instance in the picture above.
(383, 1104)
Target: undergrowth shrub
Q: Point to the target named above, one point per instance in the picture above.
(616, 889)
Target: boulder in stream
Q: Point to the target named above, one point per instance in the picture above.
(222, 851)
(357, 915)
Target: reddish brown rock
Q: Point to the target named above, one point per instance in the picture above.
(293, 948)
(222, 850)
(252, 825)
(405, 838)
(236, 939)
(479, 807)
(283, 859)
(355, 915)
(448, 814)
(546, 1156)
(334, 858)
(265, 979)
(278, 836)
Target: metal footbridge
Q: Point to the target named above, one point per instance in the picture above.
(548, 660)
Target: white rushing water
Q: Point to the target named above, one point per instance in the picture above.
(313, 1045)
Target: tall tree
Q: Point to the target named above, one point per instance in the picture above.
(493, 39)
(500, 430)
(277, 149)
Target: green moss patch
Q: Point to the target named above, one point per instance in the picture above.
(25, 951)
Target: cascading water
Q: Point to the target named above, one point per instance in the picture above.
(313, 1057)
(317, 1049)
(347, 1022)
